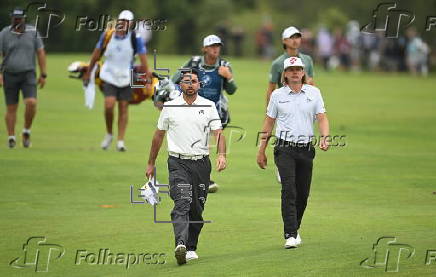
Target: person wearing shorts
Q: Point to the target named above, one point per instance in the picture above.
(19, 44)
(119, 46)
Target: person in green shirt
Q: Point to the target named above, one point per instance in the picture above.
(291, 37)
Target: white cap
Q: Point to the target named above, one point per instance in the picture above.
(126, 15)
(293, 61)
(289, 32)
(210, 40)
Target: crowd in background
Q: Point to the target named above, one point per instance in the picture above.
(349, 49)
(346, 49)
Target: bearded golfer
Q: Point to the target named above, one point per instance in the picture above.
(188, 119)
(294, 106)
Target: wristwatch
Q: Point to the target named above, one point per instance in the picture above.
(43, 75)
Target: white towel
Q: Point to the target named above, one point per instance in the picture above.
(150, 192)
(90, 90)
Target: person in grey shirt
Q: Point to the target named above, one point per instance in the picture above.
(294, 107)
(19, 44)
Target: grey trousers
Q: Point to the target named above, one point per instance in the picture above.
(189, 182)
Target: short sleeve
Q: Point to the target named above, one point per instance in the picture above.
(214, 119)
(271, 111)
(140, 46)
(99, 44)
(274, 74)
(38, 42)
(310, 72)
(319, 105)
(163, 121)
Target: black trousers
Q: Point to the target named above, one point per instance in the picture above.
(295, 168)
(189, 182)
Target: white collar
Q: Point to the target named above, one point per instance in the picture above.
(305, 90)
(290, 91)
(181, 100)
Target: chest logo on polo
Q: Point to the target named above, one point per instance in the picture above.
(281, 102)
(201, 112)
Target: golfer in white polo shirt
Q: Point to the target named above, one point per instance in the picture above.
(294, 107)
(188, 119)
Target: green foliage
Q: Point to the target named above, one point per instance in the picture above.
(333, 18)
(189, 20)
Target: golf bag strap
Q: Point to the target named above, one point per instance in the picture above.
(108, 36)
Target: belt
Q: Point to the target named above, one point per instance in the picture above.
(187, 157)
(285, 143)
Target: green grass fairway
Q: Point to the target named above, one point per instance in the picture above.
(382, 183)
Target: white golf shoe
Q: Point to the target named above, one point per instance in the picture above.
(191, 255)
(12, 142)
(106, 141)
(213, 187)
(298, 239)
(120, 146)
(291, 243)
